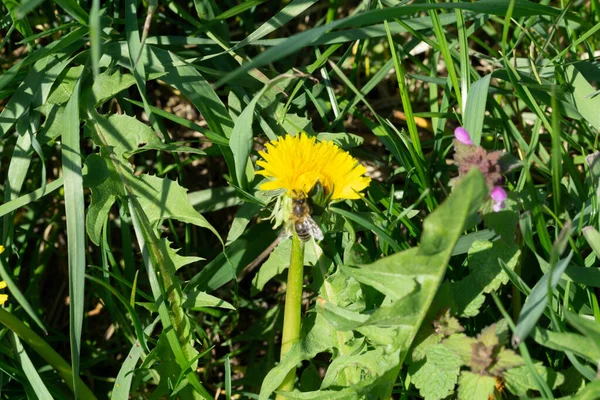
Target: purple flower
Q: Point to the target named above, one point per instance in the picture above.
(499, 195)
(462, 136)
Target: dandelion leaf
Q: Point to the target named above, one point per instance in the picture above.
(196, 299)
(317, 336)
(405, 306)
(109, 174)
(106, 85)
(179, 261)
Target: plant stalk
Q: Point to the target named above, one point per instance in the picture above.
(293, 309)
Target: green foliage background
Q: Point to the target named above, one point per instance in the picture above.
(129, 132)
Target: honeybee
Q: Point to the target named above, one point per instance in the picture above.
(301, 220)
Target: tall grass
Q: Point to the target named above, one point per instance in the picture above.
(132, 216)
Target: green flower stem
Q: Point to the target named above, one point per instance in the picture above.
(293, 308)
(46, 352)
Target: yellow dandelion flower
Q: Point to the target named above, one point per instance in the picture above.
(299, 162)
(3, 297)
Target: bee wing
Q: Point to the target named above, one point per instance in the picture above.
(314, 229)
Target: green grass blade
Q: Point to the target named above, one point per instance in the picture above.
(122, 387)
(474, 113)
(41, 347)
(538, 300)
(31, 373)
(75, 215)
(368, 225)
(22, 201)
(73, 8)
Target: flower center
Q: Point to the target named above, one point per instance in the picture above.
(307, 180)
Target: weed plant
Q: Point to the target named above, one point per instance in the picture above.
(133, 220)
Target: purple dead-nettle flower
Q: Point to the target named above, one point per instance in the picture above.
(467, 156)
(499, 195)
(462, 136)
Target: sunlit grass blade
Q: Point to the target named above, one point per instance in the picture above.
(29, 369)
(122, 387)
(75, 215)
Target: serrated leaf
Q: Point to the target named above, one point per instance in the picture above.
(519, 380)
(486, 274)
(438, 373)
(317, 336)
(196, 299)
(122, 134)
(461, 345)
(506, 359)
(107, 85)
(474, 386)
(179, 261)
(160, 198)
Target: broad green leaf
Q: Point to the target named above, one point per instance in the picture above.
(593, 238)
(343, 394)
(587, 327)
(590, 392)
(62, 92)
(196, 299)
(166, 285)
(475, 387)
(586, 105)
(474, 113)
(398, 323)
(566, 341)
(242, 218)
(179, 261)
(437, 374)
